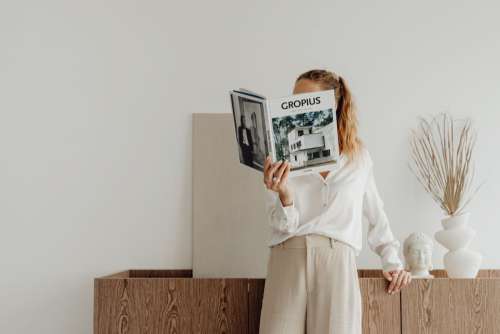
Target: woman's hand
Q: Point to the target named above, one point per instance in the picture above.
(398, 279)
(276, 177)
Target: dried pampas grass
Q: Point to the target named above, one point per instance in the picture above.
(441, 151)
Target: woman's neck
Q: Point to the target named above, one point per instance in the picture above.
(324, 174)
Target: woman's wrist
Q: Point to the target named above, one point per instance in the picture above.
(286, 197)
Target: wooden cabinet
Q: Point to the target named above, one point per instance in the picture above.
(171, 301)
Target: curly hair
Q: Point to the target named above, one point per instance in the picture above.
(347, 122)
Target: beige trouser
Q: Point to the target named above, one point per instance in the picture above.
(311, 287)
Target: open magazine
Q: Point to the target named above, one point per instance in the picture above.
(300, 128)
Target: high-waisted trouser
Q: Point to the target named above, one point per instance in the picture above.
(311, 287)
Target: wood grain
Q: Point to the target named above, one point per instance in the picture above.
(148, 273)
(442, 305)
(108, 294)
(171, 301)
(255, 295)
(170, 305)
(381, 311)
(220, 306)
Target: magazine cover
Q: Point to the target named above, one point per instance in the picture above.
(304, 131)
(300, 128)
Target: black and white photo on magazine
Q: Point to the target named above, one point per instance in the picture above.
(250, 126)
(305, 139)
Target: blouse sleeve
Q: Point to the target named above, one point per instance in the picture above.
(281, 218)
(380, 237)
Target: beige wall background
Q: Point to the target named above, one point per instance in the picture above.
(96, 105)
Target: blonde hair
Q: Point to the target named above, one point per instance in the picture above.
(347, 123)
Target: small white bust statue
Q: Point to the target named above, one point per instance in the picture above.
(417, 250)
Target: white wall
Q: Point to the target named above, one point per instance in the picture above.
(95, 179)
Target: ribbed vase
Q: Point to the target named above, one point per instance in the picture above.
(459, 261)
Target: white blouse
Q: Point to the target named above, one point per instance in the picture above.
(335, 207)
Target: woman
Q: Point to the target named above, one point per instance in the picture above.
(312, 281)
(259, 155)
(246, 141)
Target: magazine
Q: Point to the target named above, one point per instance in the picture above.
(299, 128)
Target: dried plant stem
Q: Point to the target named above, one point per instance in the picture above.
(442, 161)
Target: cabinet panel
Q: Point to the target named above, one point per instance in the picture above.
(171, 301)
(442, 305)
(381, 311)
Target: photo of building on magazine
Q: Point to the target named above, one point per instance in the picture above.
(300, 128)
(305, 139)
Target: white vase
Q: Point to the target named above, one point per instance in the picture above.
(459, 261)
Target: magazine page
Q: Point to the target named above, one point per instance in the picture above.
(249, 113)
(304, 131)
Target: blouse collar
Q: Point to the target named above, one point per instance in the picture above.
(332, 172)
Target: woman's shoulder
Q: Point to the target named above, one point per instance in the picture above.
(366, 155)
(364, 158)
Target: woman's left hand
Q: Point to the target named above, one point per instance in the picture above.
(398, 279)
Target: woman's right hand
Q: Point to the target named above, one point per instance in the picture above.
(276, 177)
